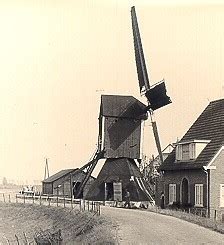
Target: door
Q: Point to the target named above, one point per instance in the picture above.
(117, 191)
(184, 192)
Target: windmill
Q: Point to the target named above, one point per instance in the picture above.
(156, 94)
(119, 140)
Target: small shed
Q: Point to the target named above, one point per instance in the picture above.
(65, 182)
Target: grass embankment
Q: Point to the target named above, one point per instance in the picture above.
(202, 221)
(77, 227)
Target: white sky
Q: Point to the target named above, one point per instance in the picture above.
(57, 57)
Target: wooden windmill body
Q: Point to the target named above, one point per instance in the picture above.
(120, 121)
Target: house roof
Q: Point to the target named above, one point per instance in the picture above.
(59, 175)
(208, 126)
(122, 106)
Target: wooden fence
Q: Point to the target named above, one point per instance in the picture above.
(82, 205)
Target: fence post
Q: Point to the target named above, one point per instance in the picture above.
(3, 197)
(9, 198)
(215, 214)
(26, 241)
(84, 206)
(57, 200)
(17, 239)
(40, 199)
(16, 198)
(33, 199)
(92, 206)
(49, 201)
(24, 201)
(80, 204)
(71, 203)
(64, 201)
(88, 205)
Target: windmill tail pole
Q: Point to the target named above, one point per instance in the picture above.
(156, 136)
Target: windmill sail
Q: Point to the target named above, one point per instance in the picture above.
(139, 55)
(157, 96)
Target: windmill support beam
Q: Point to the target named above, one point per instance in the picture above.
(89, 169)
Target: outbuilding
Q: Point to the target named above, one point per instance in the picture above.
(65, 182)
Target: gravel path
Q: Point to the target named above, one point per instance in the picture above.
(142, 227)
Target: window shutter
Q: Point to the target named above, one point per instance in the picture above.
(192, 150)
(222, 195)
(199, 195)
(179, 152)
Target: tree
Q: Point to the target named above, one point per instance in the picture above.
(4, 181)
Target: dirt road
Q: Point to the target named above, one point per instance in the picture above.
(142, 227)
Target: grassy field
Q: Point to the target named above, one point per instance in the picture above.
(78, 227)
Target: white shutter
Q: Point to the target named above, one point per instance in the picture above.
(172, 193)
(179, 152)
(222, 195)
(192, 151)
(199, 195)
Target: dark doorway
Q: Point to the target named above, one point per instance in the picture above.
(75, 189)
(109, 191)
(184, 192)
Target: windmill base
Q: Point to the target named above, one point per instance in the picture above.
(117, 176)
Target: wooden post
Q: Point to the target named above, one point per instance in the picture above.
(49, 201)
(40, 199)
(80, 205)
(92, 206)
(215, 214)
(9, 198)
(17, 239)
(24, 201)
(57, 199)
(64, 201)
(33, 199)
(71, 203)
(3, 197)
(88, 205)
(16, 198)
(8, 242)
(99, 209)
(26, 241)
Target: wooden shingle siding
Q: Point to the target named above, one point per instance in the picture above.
(122, 137)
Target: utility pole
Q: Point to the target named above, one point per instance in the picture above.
(46, 171)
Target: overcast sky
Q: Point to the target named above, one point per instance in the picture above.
(57, 57)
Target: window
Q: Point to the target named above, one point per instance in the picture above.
(186, 152)
(222, 195)
(172, 193)
(190, 150)
(199, 195)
